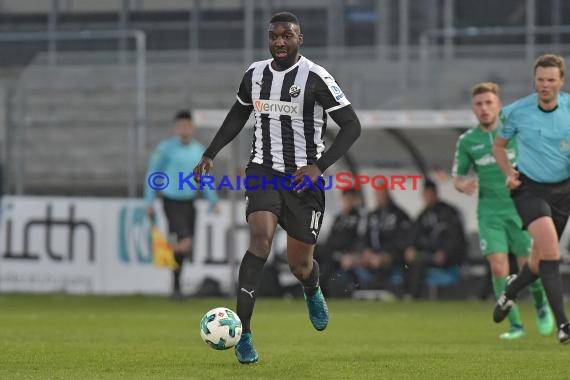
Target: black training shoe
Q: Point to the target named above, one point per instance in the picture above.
(504, 304)
(564, 333)
(502, 308)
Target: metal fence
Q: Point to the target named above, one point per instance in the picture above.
(398, 68)
(38, 110)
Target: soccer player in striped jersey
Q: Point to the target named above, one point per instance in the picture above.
(500, 227)
(540, 184)
(291, 98)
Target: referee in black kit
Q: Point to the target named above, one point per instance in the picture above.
(540, 185)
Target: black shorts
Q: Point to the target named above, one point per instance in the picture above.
(534, 200)
(301, 215)
(181, 217)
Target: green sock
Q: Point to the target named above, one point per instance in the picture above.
(537, 292)
(499, 285)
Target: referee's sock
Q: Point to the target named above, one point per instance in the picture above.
(249, 275)
(552, 283)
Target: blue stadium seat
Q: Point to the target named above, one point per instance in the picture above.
(435, 278)
(440, 277)
(397, 278)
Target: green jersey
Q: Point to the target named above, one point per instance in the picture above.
(474, 150)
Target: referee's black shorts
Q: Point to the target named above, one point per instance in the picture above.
(300, 214)
(181, 216)
(534, 200)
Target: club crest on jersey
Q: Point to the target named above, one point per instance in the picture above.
(294, 91)
(565, 145)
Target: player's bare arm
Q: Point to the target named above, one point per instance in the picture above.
(466, 185)
(500, 153)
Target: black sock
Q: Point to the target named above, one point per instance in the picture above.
(552, 283)
(179, 258)
(311, 283)
(249, 274)
(524, 279)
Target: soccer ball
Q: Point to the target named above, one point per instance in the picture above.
(220, 328)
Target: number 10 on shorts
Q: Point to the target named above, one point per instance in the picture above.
(315, 220)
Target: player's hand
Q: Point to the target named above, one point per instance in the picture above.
(513, 180)
(349, 261)
(379, 260)
(309, 171)
(215, 208)
(410, 255)
(385, 259)
(439, 258)
(366, 257)
(150, 212)
(203, 167)
(470, 186)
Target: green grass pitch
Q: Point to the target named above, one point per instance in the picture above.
(82, 337)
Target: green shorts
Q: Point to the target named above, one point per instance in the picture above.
(503, 233)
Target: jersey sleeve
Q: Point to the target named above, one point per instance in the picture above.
(507, 128)
(461, 160)
(327, 91)
(244, 91)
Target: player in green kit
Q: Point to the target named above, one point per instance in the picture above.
(500, 227)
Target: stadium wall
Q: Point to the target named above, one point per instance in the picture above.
(102, 246)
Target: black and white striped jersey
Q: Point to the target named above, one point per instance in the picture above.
(290, 109)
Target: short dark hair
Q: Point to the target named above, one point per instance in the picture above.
(429, 184)
(285, 17)
(183, 115)
(351, 191)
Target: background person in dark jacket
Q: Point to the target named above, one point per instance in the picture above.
(386, 238)
(340, 250)
(437, 240)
